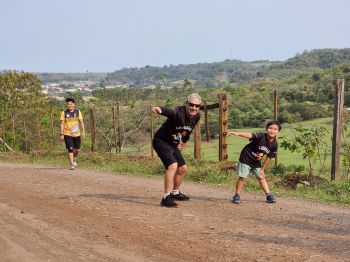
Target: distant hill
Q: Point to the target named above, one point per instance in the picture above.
(212, 74)
(231, 71)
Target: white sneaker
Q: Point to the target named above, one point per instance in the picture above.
(72, 167)
(75, 163)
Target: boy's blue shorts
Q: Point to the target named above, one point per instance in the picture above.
(244, 170)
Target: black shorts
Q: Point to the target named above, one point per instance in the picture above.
(169, 154)
(72, 142)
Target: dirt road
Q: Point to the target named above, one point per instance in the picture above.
(54, 214)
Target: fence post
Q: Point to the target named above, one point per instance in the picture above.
(118, 129)
(337, 127)
(115, 129)
(3, 138)
(275, 117)
(38, 134)
(13, 133)
(223, 120)
(53, 129)
(206, 121)
(197, 141)
(152, 129)
(25, 135)
(93, 129)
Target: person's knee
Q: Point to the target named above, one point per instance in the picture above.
(260, 177)
(172, 167)
(182, 169)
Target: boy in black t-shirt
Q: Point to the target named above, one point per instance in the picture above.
(250, 159)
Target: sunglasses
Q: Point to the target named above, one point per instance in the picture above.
(194, 105)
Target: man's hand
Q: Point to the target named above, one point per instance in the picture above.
(232, 133)
(62, 137)
(156, 109)
(182, 146)
(83, 136)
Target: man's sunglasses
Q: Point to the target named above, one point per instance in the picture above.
(194, 105)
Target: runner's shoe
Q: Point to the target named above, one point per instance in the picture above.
(270, 198)
(75, 163)
(168, 202)
(236, 199)
(180, 197)
(72, 167)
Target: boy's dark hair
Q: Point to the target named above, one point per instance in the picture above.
(70, 99)
(274, 122)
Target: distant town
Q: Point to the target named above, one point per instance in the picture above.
(85, 87)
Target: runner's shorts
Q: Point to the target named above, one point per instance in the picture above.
(169, 154)
(72, 142)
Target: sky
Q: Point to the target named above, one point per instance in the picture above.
(107, 35)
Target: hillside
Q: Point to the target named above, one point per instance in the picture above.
(232, 71)
(211, 74)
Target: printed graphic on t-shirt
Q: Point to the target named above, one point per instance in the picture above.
(75, 129)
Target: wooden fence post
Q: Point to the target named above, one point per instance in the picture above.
(275, 111)
(337, 127)
(275, 117)
(4, 138)
(223, 120)
(152, 129)
(114, 111)
(38, 134)
(197, 141)
(118, 129)
(207, 133)
(53, 133)
(25, 135)
(93, 129)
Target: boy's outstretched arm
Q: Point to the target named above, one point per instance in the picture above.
(241, 134)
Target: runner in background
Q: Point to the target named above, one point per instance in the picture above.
(71, 125)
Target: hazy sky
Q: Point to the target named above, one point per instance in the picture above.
(106, 35)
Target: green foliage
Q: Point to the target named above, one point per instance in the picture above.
(311, 143)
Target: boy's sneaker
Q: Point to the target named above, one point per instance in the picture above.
(180, 197)
(236, 199)
(72, 167)
(75, 163)
(270, 198)
(168, 202)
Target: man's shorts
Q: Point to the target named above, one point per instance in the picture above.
(243, 170)
(169, 154)
(72, 142)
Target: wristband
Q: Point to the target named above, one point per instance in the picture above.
(61, 134)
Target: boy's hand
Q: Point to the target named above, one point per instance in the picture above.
(156, 109)
(232, 133)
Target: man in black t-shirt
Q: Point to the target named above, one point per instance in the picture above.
(250, 159)
(168, 142)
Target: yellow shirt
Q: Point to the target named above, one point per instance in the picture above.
(71, 122)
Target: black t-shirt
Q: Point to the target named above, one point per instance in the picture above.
(178, 126)
(258, 147)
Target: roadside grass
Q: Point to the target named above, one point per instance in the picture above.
(200, 171)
